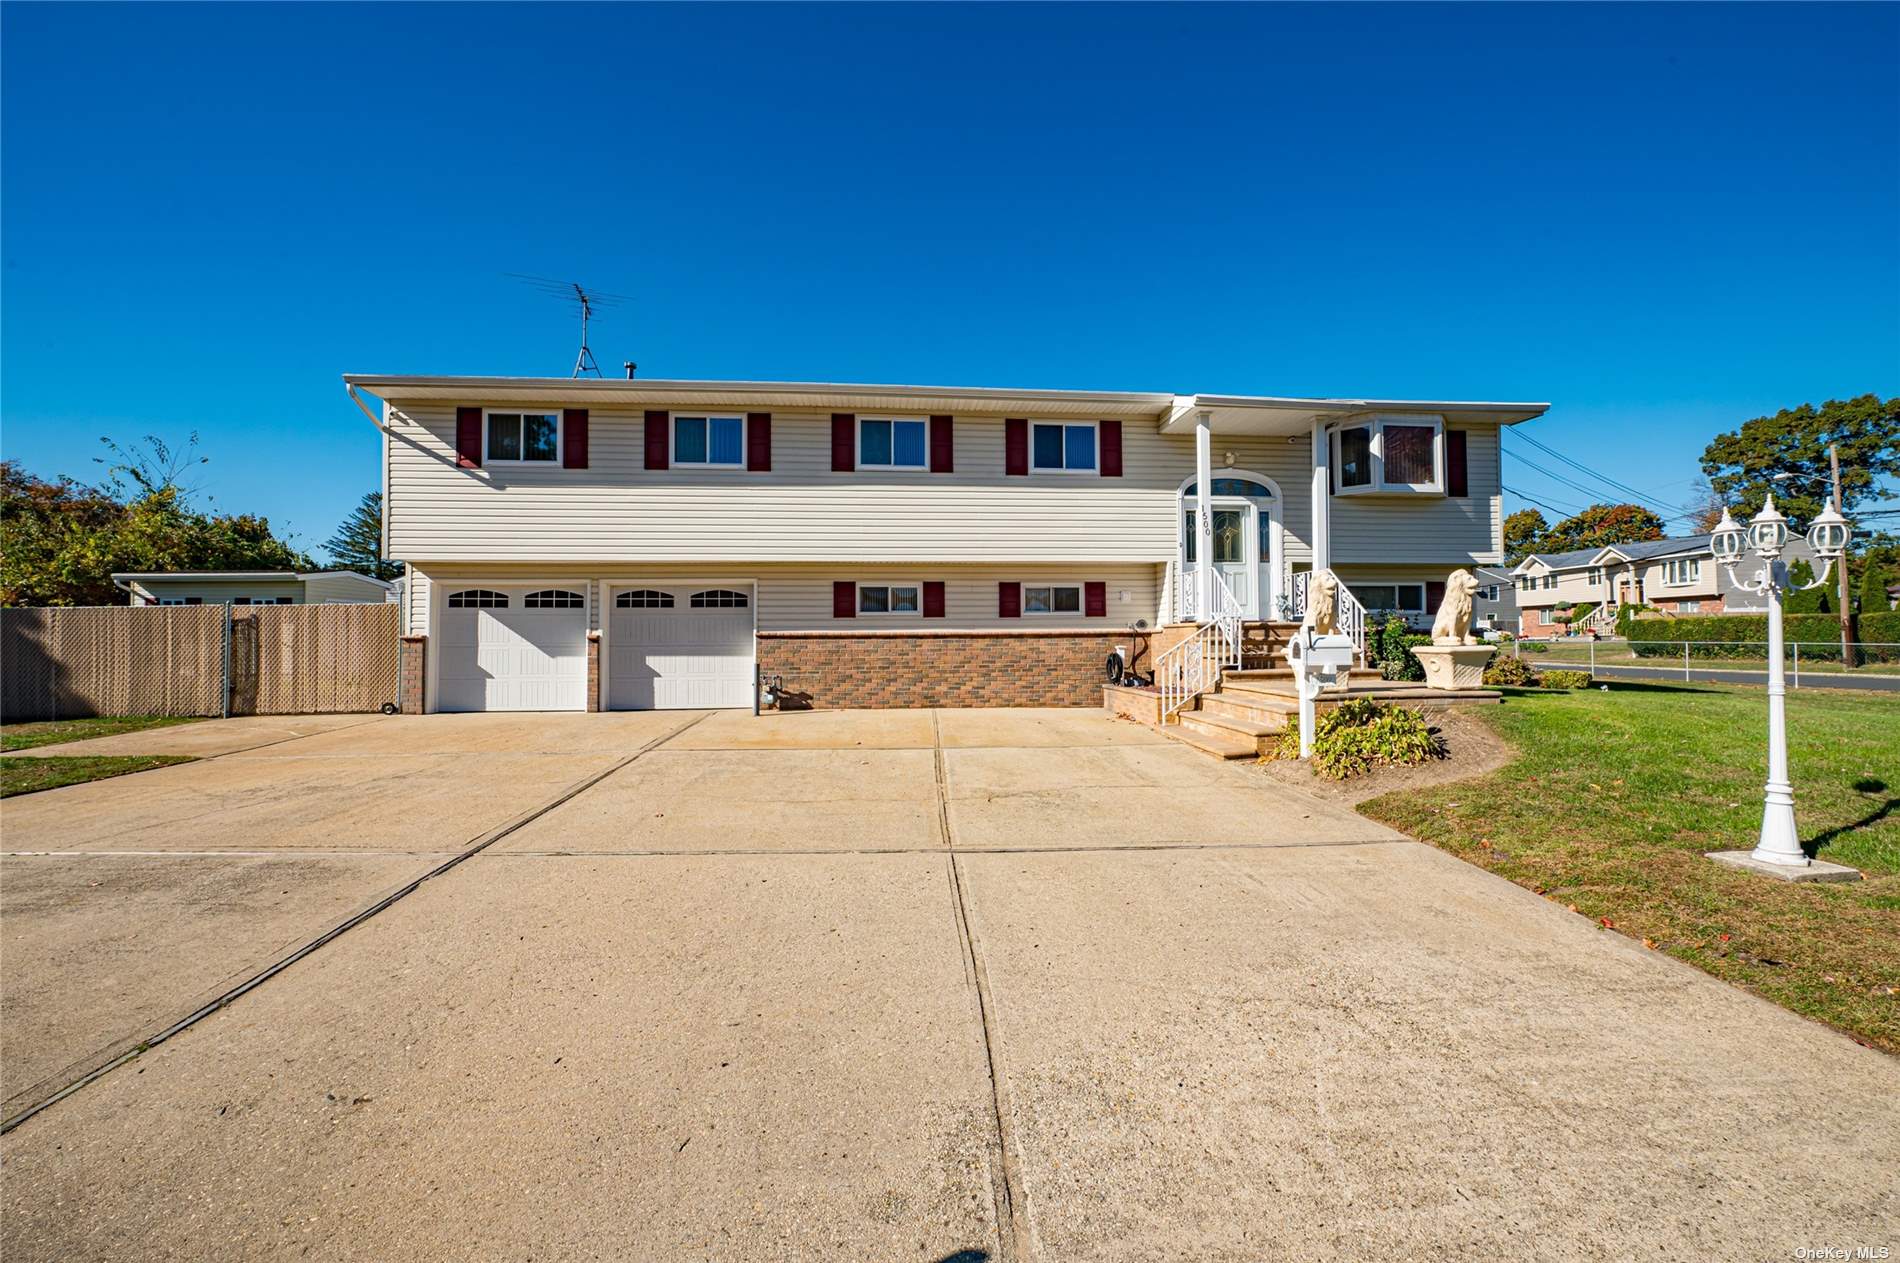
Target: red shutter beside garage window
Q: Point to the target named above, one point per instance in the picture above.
(1457, 479)
(844, 442)
(659, 448)
(1009, 600)
(758, 442)
(1095, 600)
(574, 438)
(1111, 449)
(943, 459)
(933, 598)
(844, 600)
(468, 438)
(1016, 446)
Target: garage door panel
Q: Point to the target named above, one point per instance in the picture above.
(680, 658)
(512, 658)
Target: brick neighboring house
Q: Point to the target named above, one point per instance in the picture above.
(650, 544)
(1676, 576)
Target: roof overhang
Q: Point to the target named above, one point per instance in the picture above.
(1265, 414)
(262, 576)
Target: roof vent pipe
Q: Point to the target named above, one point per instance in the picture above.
(629, 365)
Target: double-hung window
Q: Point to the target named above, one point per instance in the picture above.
(1595, 577)
(891, 443)
(710, 442)
(1682, 572)
(1550, 582)
(1402, 598)
(1063, 447)
(890, 598)
(523, 437)
(1390, 455)
(1058, 598)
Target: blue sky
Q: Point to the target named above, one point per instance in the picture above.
(1664, 219)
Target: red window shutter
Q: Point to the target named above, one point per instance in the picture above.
(1095, 600)
(468, 438)
(1111, 435)
(943, 458)
(844, 600)
(933, 598)
(1009, 600)
(574, 438)
(1016, 446)
(844, 442)
(1434, 596)
(1457, 479)
(659, 444)
(758, 442)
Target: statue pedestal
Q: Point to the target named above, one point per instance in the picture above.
(1454, 666)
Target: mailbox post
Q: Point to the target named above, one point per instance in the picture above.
(1319, 663)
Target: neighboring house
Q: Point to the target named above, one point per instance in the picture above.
(628, 544)
(253, 587)
(1495, 605)
(1674, 576)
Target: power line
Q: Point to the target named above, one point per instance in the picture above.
(1597, 494)
(1622, 488)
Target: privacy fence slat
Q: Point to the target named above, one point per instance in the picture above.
(169, 660)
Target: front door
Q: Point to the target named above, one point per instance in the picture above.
(1234, 557)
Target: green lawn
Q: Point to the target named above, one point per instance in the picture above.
(1615, 796)
(27, 776)
(53, 731)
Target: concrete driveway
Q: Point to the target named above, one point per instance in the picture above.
(922, 985)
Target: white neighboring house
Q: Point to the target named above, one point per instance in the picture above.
(1676, 576)
(632, 544)
(253, 587)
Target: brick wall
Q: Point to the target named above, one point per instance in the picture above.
(414, 651)
(593, 671)
(902, 669)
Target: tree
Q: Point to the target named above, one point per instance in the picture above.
(1705, 507)
(151, 466)
(1811, 601)
(1600, 525)
(358, 543)
(1879, 566)
(1742, 466)
(1522, 531)
(61, 541)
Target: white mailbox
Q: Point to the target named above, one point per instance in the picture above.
(1319, 663)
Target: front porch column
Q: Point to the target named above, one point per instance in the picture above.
(1321, 536)
(1203, 519)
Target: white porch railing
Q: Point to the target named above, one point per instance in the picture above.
(1193, 667)
(1602, 618)
(1351, 615)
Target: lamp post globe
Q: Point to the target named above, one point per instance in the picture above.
(1728, 540)
(1828, 534)
(1768, 531)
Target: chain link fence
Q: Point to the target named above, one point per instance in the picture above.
(197, 660)
(1820, 660)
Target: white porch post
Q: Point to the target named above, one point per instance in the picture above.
(1320, 538)
(1203, 518)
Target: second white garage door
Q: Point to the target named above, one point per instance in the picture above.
(679, 648)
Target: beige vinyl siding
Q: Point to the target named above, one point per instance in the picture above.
(618, 511)
(797, 597)
(1573, 586)
(1452, 530)
(318, 588)
(219, 592)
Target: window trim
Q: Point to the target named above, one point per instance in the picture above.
(1095, 428)
(888, 584)
(556, 590)
(693, 602)
(708, 416)
(920, 468)
(1694, 576)
(507, 599)
(1379, 486)
(1596, 576)
(669, 603)
(1081, 609)
(523, 410)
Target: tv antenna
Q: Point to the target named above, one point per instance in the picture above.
(588, 301)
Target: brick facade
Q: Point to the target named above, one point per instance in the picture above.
(593, 671)
(884, 670)
(413, 656)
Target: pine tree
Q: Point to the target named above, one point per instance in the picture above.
(358, 543)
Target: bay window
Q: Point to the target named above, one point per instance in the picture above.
(1390, 455)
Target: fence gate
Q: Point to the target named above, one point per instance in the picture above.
(312, 659)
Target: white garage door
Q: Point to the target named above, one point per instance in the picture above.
(512, 649)
(683, 648)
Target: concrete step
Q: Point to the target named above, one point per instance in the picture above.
(1212, 724)
(1221, 745)
(1257, 708)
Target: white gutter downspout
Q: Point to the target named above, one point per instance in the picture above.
(349, 388)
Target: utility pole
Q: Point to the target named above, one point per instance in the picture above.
(1849, 636)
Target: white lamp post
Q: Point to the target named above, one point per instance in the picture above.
(1768, 533)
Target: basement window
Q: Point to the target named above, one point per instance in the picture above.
(890, 598)
(1052, 599)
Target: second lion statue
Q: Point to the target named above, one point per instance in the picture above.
(1452, 626)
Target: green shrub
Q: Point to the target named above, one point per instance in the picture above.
(1357, 736)
(1389, 647)
(1564, 679)
(1510, 673)
(1534, 646)
(1819, 634)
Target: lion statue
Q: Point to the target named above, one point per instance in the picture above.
(1322, 604)
(1453, 624)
